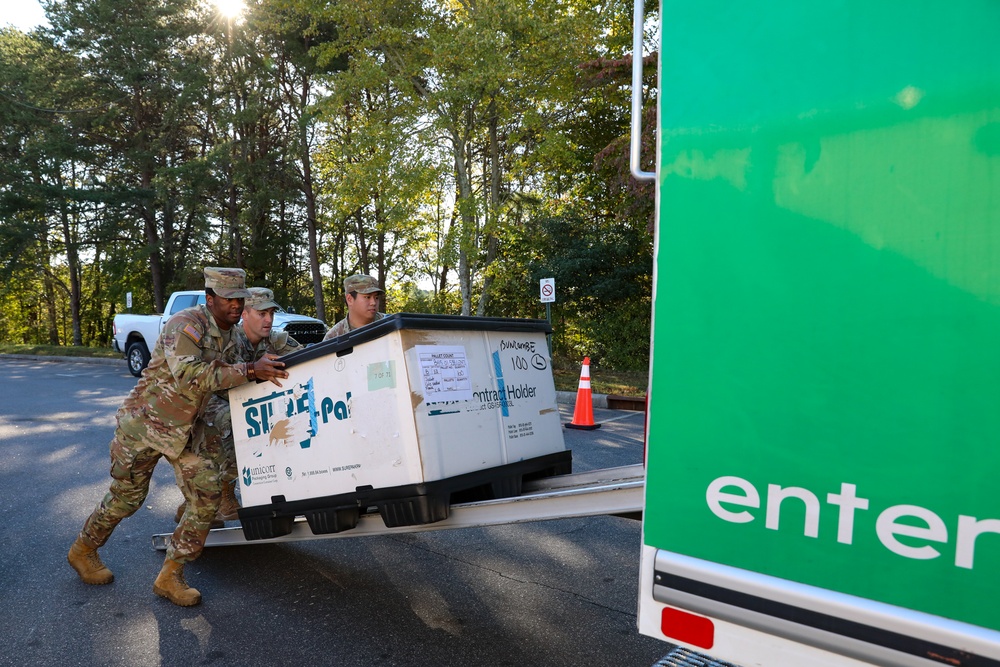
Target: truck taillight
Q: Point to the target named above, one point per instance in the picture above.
(688, 628)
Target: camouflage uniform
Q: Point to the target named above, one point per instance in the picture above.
(343, 326)
(214, 432)
(279, 342)
(359, 284)
(192, 359)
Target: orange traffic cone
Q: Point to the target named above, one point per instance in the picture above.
(583, 413)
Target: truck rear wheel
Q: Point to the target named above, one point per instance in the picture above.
(137, 357)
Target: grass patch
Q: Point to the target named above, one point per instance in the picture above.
(623, 383)
(58, 351)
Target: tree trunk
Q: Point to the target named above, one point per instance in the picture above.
(298, 97)
(442, 276)
(381, 271)
(51, 316)
(234, 219)
(361, 241)
(493, 216)
(310, 197)
(467, 233)
(153, 245)
(73, 264)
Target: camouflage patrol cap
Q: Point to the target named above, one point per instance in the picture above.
(361, 284)
(227, 283)
(260, 298)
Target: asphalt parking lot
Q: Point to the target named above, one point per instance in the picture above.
(559, 592)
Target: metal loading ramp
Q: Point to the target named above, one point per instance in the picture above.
(617, 491)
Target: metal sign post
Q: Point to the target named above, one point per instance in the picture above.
(547, 293)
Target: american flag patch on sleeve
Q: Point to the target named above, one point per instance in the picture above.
(192, 333)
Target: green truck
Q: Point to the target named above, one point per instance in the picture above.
(824, 407)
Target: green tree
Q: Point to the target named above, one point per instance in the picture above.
(43, 201)
(587, 223)
(476, 145)
(142, 62)
(298, 75)
(483, 77)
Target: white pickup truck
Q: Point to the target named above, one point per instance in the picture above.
(135, 335)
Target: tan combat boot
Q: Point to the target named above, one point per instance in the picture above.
(217, 522)
(170, 584)
(229, 507)
(84, 559)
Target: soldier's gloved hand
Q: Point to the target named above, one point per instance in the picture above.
(267, 368)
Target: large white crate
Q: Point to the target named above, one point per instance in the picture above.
(398, 415)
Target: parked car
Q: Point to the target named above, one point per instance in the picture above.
(135, 335)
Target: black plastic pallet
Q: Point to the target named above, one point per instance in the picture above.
(407, 505)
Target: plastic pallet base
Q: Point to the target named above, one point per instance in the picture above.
(322, 522)
(263, 523)
(431, 501)
(267, 527)
(415, 510)
(408, 505)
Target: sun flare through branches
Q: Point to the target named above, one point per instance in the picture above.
(230, 9)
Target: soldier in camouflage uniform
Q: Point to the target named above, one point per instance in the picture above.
(195, 355)
(214, 432)
(363, 294)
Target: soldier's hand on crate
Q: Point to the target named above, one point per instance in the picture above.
(268, 369)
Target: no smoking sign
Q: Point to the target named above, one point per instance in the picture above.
(547, 289)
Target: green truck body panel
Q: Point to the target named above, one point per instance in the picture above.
(825, 394)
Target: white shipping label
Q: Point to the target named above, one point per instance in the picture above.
(444, 373)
